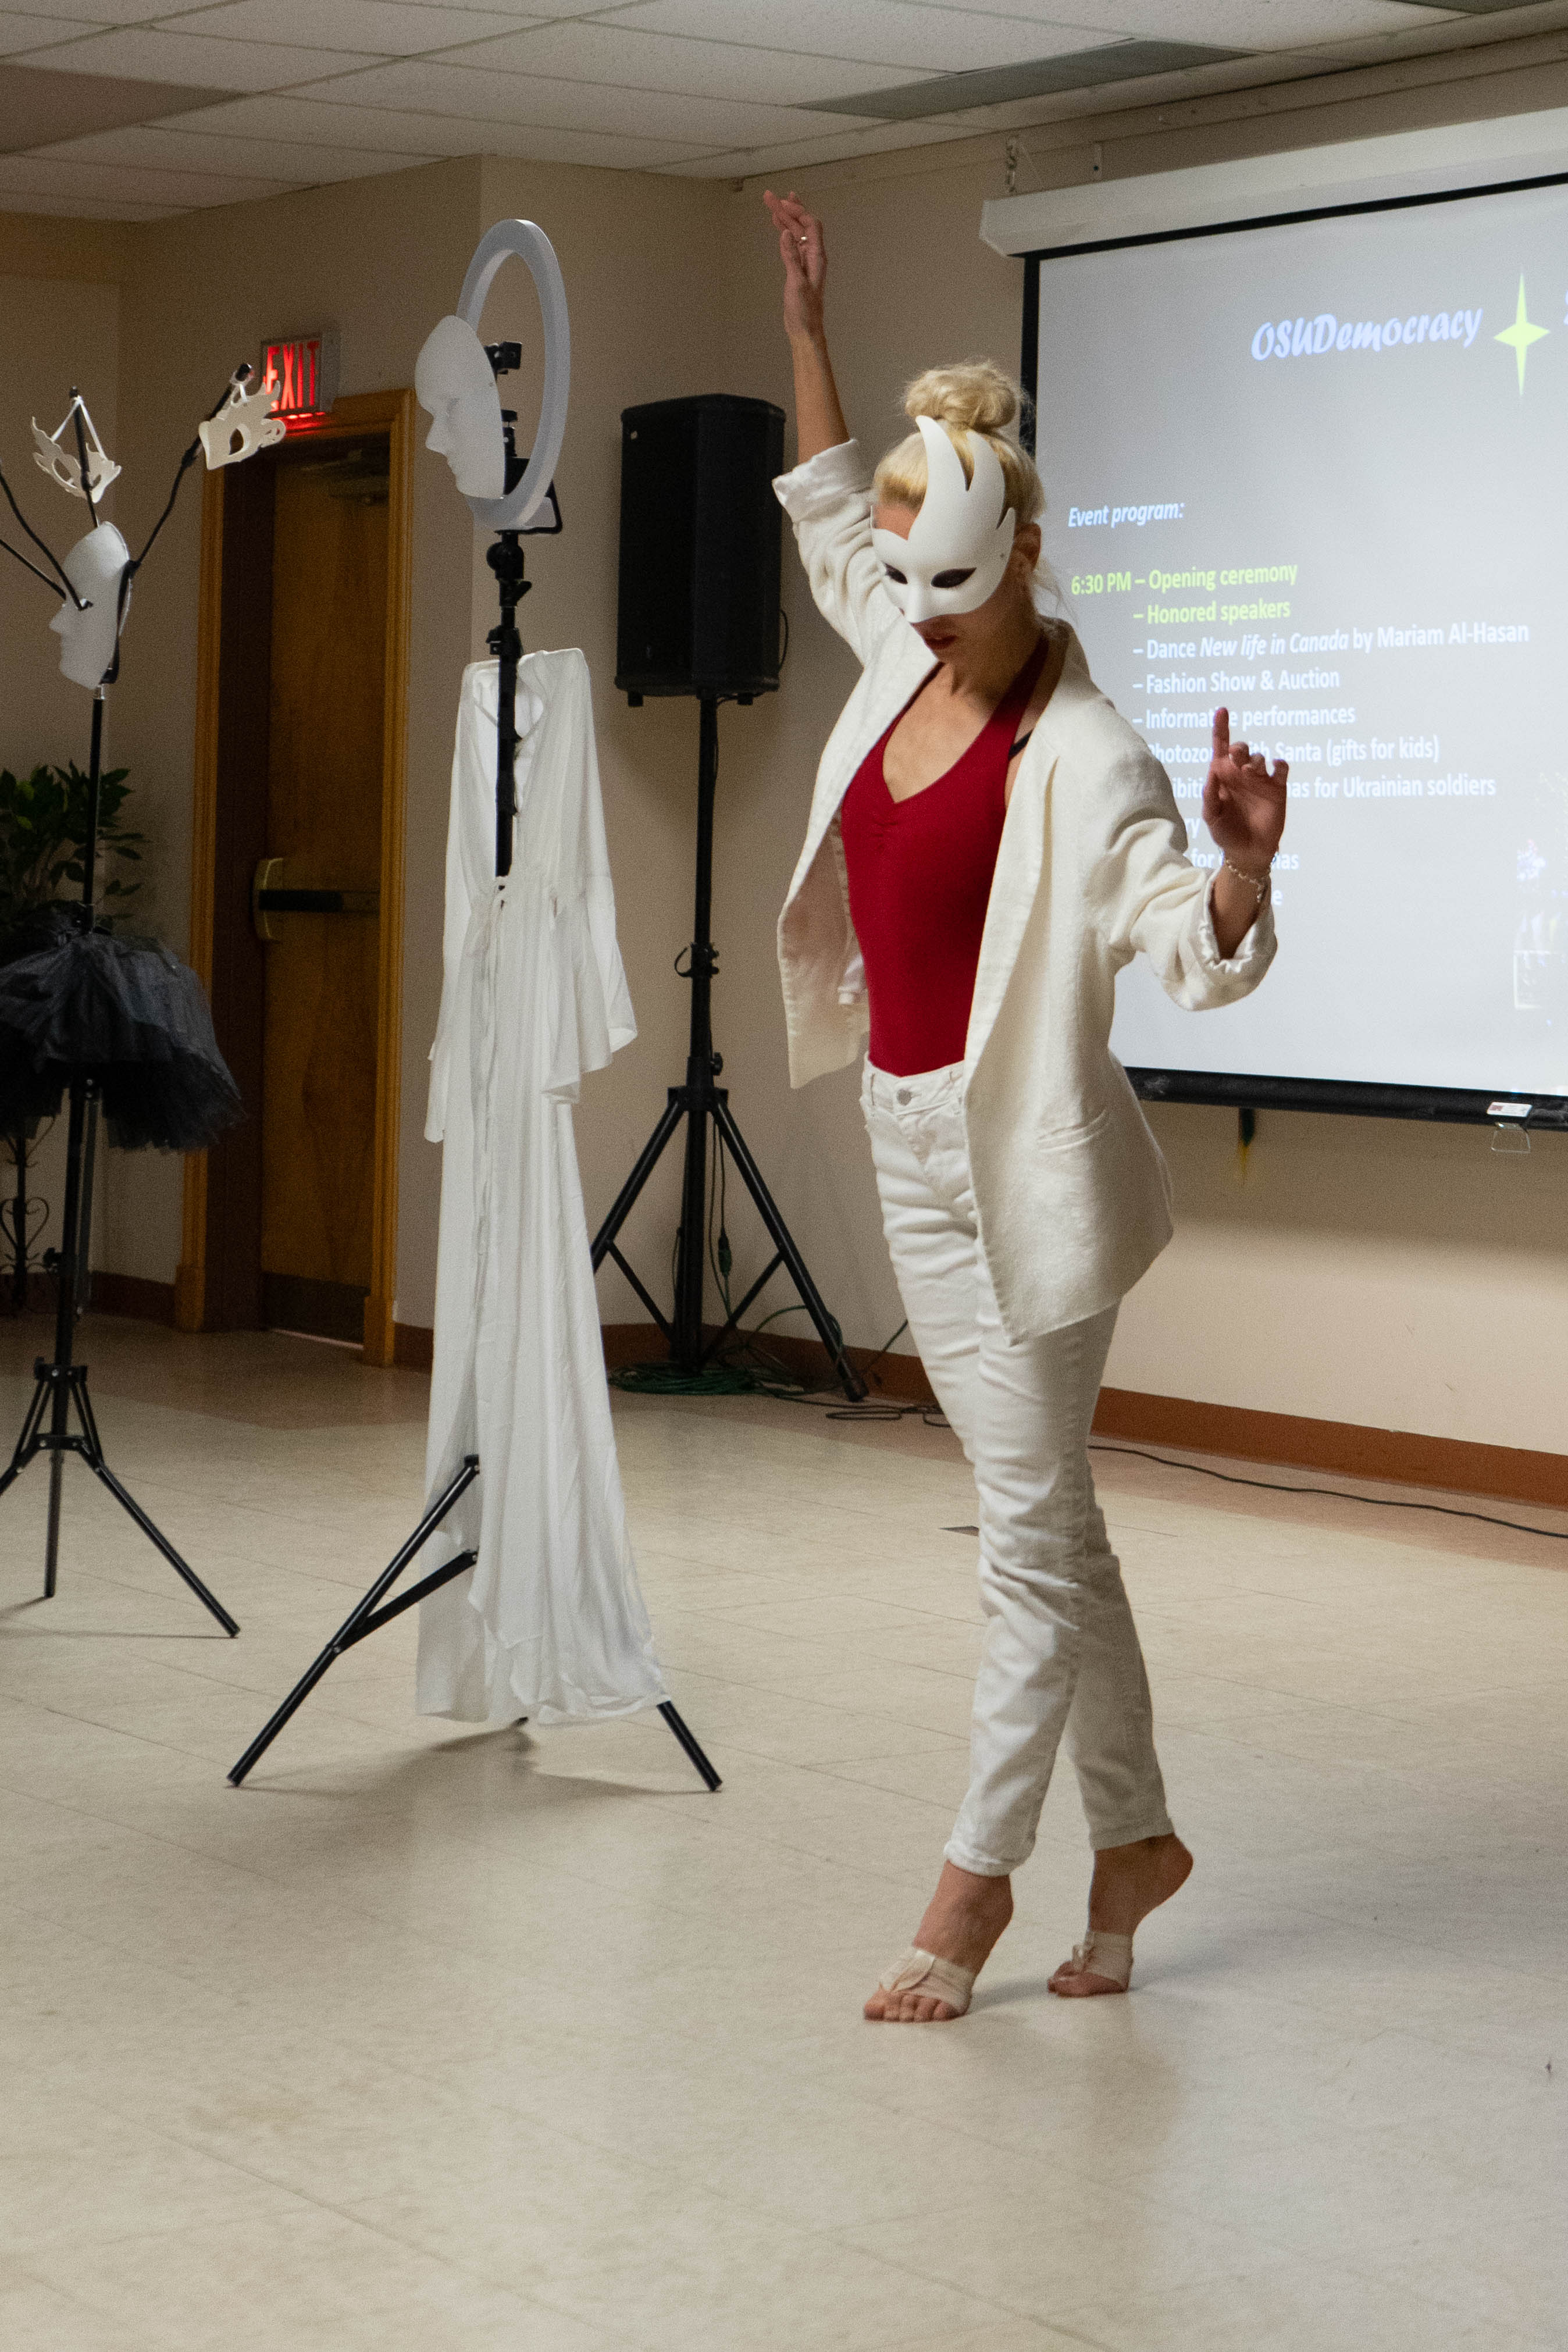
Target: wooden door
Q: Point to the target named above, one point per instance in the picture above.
(302, 659)
(318, 896)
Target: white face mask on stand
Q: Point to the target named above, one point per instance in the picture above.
(955, 556)
(243, 424)
(94, 568)
(455, 381)
(60, 458)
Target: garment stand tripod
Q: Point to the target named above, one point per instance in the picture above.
(60, 1383)
(505, 558)
(703, 1103)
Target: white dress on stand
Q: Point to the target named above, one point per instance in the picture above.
(550, 1622)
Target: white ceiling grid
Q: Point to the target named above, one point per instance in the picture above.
(316, 90)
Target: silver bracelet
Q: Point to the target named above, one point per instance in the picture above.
(1261, 888)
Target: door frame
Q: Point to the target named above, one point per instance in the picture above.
(354, 413)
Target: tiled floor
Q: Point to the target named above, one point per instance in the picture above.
(434, 2041)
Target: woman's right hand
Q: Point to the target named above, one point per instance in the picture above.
(818, 413)
(805, 257)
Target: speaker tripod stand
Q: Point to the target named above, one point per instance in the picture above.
(702, 1104)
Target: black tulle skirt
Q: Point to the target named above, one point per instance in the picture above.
(123, 1012)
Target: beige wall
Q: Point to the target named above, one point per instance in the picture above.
(54, 333)
(1398, 1275)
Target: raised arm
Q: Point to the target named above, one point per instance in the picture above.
(819, 416)
(1144, 895)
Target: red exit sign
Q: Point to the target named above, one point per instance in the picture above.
(303, 371)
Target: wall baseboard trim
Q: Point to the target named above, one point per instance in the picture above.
(128, 1293)
(1292, 1440)
(1289, 1440)
(112, 1294)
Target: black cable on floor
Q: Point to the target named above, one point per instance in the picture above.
(1336, 1494)
(747, 1369)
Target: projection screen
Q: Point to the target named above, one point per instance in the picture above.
(1316, 469)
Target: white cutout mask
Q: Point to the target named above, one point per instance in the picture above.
(468, 431)
(243, 424)
(93, 567)
(455, 381)
(57, 454)
(962, 527)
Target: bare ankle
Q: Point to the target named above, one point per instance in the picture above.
(965, 1916)
(1132, 1880)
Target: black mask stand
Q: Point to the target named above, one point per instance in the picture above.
(505, 558)
(60, 1383)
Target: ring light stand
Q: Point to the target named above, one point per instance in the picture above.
(528, 485)
(512, 513)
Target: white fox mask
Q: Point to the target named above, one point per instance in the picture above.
(956, 553)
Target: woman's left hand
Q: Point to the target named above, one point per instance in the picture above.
(1244, 801)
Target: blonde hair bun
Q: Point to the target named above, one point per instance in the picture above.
(972, 396)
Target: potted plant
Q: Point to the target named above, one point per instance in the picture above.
(43, 828)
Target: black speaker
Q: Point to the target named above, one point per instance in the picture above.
(700, 544)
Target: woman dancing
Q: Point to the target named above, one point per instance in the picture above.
(989, 845)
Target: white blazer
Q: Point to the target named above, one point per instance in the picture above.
(1072, 1196)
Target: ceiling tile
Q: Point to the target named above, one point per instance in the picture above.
(84, 207)
(375, 27)
(520, 10)
(335, 89)
(162, 148)
(294, 119)
(873, 32)
(39, 106)
(67, 14)
(538, 144)
(1101, 66)
(287, 117)
(748, 163)
(443, 89)
(637, 60)
(1227, 23)
(32, 32)
(45, 175)
(182, 57)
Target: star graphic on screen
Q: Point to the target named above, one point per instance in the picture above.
(1521, 334)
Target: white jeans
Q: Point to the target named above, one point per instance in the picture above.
(1061, 1656)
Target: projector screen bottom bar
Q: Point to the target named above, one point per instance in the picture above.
(1452, 1105)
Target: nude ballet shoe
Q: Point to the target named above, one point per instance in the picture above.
(945, 1980)
(1099, 1955)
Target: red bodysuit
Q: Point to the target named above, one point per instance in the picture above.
(919, 877)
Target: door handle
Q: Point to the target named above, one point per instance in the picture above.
(270, 896)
